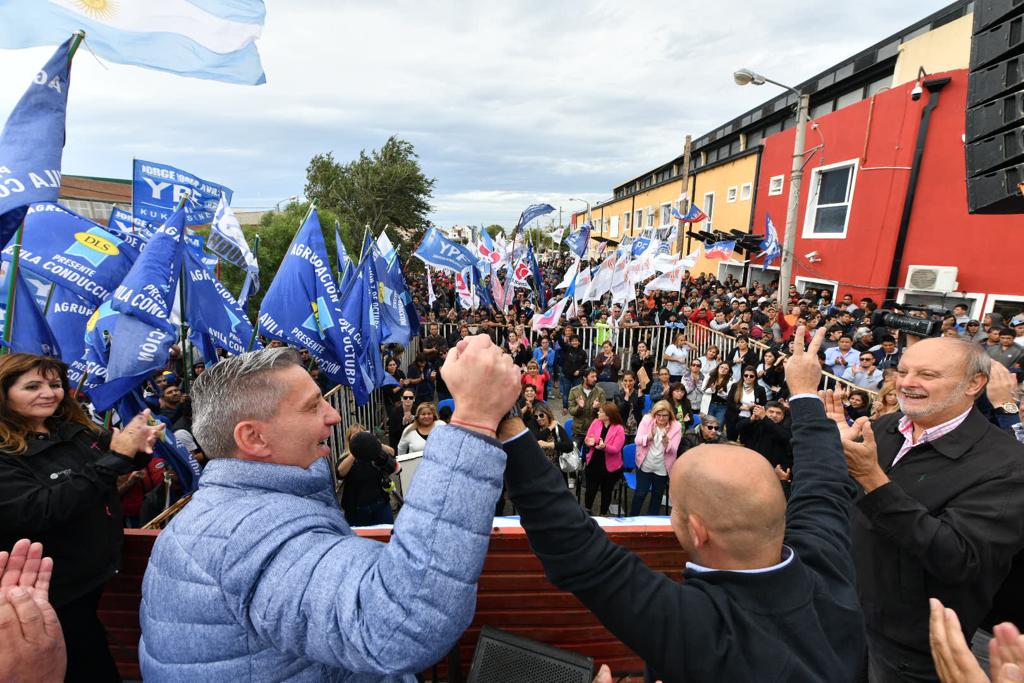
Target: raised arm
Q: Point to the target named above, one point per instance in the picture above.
(398, 607)
(578, 556)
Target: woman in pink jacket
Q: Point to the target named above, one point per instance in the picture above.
(604, 441)
(657, 445)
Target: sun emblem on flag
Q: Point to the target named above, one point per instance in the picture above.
(99, 9)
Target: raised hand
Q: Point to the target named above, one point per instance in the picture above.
(26, 567)
(138, 435)
(31, 642)
(483, 381)
(953, 659)
(836, 411)
(862, 455)
(783, 474)
(803, 371)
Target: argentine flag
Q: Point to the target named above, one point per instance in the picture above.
(213, 39)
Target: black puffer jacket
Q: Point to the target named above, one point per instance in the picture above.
(62, 492)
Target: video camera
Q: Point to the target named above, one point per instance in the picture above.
(927, 325)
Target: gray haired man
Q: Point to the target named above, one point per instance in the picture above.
(260, 578)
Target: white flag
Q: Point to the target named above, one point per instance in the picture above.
(431, 298)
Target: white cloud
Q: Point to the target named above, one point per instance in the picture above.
(506, 103)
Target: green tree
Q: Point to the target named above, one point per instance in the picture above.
(494, 230)
(382, 188)
(276, 230)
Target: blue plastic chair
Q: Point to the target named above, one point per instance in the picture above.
(647, 404)
(447, 403)
(629, 475)
(568, 427)
(696, 420)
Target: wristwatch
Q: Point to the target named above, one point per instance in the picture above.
(1008, 408)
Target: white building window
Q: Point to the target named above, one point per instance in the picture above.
(731, 194)
(625, 221)
(614, 227)
(746, 191)
(828, 211)
(775, 185)
(709, 209)
(639, 219)
(666, 214)
(650, 216)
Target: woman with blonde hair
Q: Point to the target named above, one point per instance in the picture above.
(657, 445)
(414, 438)
(58, 486)
(886, 402)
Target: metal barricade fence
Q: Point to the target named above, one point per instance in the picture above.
(373, 414)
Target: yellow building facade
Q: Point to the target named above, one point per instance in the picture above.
(725, 192)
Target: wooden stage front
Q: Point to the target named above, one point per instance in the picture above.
(513, 595)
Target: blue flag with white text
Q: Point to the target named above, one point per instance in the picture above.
(770, 247)
(439, 251)
(68, 315)
(72, 251)
(579, 241)
(212, 311)
(138, 349)
(148, 289)
(32, 142)
(158, 188)
(302, 307)
(124, 222)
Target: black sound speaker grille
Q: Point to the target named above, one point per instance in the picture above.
(502, 657)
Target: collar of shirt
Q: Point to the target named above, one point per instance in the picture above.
(906, 428)
(787, 557)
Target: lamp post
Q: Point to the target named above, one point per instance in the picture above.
(748, 77)
(293, 198)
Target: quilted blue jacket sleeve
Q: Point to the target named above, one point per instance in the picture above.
(362, 605)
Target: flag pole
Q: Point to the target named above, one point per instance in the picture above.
(12, 275)
(182, 325)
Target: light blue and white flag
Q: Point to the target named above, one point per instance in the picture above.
(439, 251)
(213, 39)
(770, 247)
(579, 241)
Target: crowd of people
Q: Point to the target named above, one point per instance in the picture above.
(902, 487)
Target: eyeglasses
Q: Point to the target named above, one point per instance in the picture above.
(749, 376)
(408, 398)
(867, 357)
(694, 365)
(711, 428)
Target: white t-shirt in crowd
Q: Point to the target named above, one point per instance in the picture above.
(654, 462)
(676, 367)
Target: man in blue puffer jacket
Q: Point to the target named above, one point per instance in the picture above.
(259, 578)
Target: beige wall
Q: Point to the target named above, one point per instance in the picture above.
(947, 48)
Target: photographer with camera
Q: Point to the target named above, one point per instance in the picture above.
(366, 498)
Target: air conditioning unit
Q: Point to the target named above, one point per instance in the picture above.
(932, 279)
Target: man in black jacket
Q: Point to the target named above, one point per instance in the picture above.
(769, 593)
(942, 513)
(767, 432)
(572, 361)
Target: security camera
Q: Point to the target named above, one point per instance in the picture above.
(810, 256)
(916, 93)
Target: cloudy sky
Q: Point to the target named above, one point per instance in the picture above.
(506, 103)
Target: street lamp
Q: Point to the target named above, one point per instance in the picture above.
(748, 77)
(293, 198)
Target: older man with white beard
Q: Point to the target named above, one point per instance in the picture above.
(942, 509)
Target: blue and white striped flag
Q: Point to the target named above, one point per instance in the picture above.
(213, 39)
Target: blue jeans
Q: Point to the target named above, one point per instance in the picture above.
(565, 385)
(378, 512)
(717, 411)
(648, 482)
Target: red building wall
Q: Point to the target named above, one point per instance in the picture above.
(881, 133)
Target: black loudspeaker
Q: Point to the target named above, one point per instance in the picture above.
(995, 114)
(503, 657)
